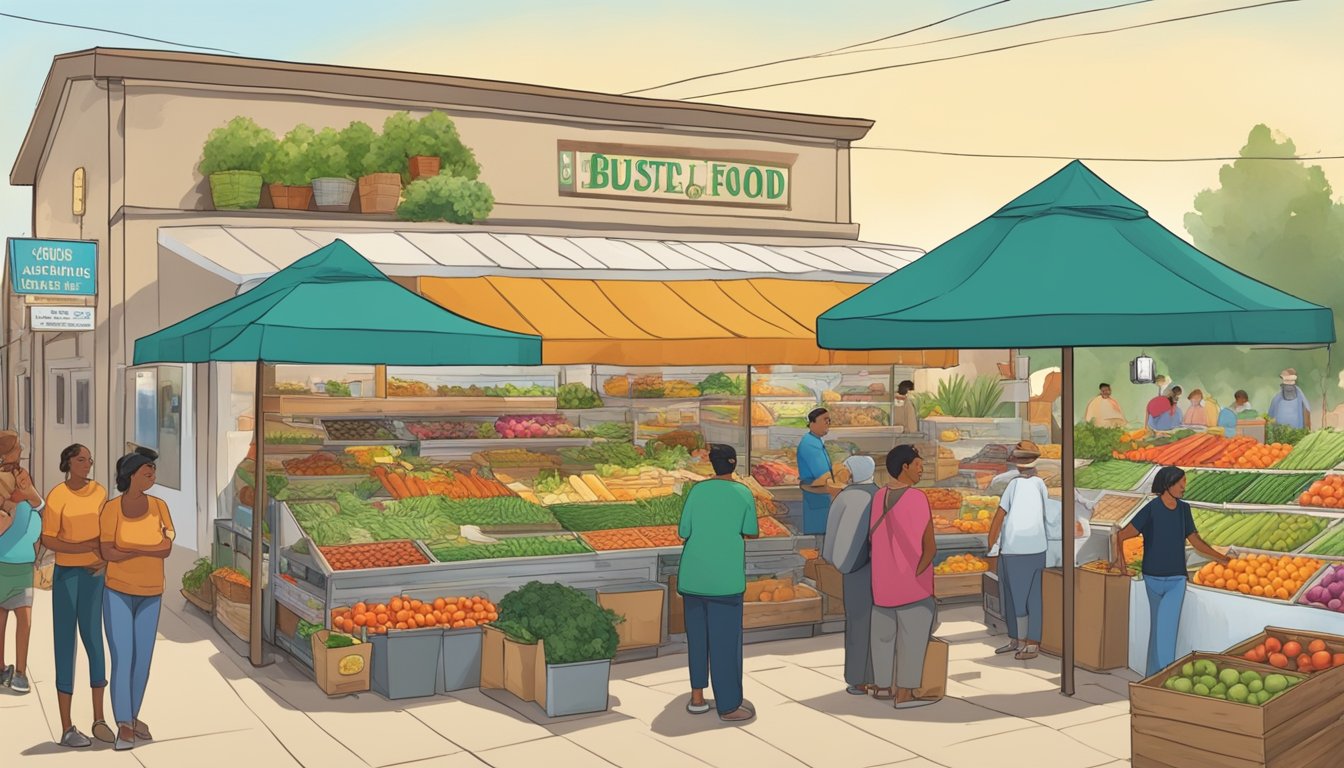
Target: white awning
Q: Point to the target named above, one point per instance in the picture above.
(249, 254)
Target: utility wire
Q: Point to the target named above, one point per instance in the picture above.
(989, 31)
(815, 55)
(991, 50)
(1221, 158)
(114, 32)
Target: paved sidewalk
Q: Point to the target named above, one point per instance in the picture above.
(209, 707)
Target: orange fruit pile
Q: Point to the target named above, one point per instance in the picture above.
(966, 563)
(1316, 657)
(1259, 575)
(1253, 455)
(1327, 492)
(402, 612)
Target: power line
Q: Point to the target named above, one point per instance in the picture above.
(815, 55)
(114, 32)
(991, 50)
(1211, 159)
(989, 31)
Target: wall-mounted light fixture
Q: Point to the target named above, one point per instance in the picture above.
(77, 193)
(1141, 370)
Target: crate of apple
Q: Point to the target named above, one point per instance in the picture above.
(535, 427)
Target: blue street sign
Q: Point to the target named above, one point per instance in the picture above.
(53, 267)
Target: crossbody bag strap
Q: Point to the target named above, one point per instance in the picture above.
(888, 503)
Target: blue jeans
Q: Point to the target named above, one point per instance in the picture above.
(714, 640)
(1166, 594)
(77, 613)
(132, 623)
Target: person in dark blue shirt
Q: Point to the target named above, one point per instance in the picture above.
(1166, 524)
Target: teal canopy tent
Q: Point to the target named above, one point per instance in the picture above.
(1070, 263)
(331, 307)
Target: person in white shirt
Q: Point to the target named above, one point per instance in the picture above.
(1104, 411)
(1017, 539)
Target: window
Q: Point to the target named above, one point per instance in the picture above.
(82, 401)
(60, 398)
(158, 419)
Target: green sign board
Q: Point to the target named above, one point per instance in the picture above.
(53, 267)
(672, 175)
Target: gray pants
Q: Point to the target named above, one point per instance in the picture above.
(900, 638)
(1020, 594)
(858, 620)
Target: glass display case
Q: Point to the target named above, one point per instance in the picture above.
(471, 382)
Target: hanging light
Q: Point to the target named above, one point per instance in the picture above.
(1141, 370)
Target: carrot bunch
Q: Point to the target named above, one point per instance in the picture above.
(401, 484)
(1195, 451)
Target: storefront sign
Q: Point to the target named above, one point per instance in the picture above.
(667, 174)
(61, 318)
(53, 267)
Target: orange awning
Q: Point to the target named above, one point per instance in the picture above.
(666, 322)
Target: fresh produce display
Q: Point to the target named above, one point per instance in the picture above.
(1330, 545)
(573, 627)
(1052, 451)
(859, 416)
(451, 430)
(307, 629)
(1204, 678)
(615, 431)
(1319, 450)
(546, 425)
(370, 456)
(577, 396)
(1101, 566)
(361, 430)
(320, 464)
(776, 591)
(1328, 591)
(761, 416)
(1278, 433)
(761, 386)
(1283, 652)
(723, 384)
(1275, 489)
(291, 437)
(1259, 575)
(661, 535)
(958, 564)
(233, 576)
(966, 521)
(771, 528)
(643, 483)
(1092, 442)
(403, 612)
(1253, 455)
(1270, 531)
(943, 498)
(615, 454)
(1112, 475)
(290, 388)
(1133, 553)
(408, 388)
(1202, 450)
(522, 546)
(195, 579)
(329, 489)
(602, 517)
(348, 520)
(517, 457)
(616, 538)
(1113, 508)
(1217, 487)
(402, 484)
(774, 474)
(1327, 492)
(495, 512)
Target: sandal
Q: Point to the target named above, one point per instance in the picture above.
(698, 709)
(878, 693)
(1011, 647)
(142, 731)
(1026, 654)
(103, 732)
(859, 690)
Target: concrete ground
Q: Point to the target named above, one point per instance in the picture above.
(209, 707)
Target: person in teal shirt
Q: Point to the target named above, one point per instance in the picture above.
(711, 579)
(814, 469)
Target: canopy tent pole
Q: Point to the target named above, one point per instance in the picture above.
(1070, 515)
(259, 511)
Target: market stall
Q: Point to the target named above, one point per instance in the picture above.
(983, 289)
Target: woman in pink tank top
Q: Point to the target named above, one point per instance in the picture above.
(903, 548)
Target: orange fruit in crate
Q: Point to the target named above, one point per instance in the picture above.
(1321, 660)
(1316, 646)
(1278, 660)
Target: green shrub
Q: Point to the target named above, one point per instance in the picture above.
(447, 198)
(387, 152)
(239, 145)
(326, 158)
(435, 135)
(574, 627)
(356, 139)
(288, 163)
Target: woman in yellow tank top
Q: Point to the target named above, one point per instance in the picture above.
(136, 537)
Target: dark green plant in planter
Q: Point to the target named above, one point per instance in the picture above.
(286, 170)
(574, 628)
(447, 198)
(329, 161)
(232, 158)
(434, 147)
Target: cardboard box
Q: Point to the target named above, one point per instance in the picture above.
(676, 608)
(1101, 618)
(1297, 729)
(492, 658)
(642, 606)
(521, 664)
(327, 666)
(830, 581)
(237, 617)
(933, 683)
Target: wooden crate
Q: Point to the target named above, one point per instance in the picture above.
(1180, 730)
(1333, 643)
(806, 609)
(237, 617)
(957, 584)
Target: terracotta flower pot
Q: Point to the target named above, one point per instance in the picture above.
(379, 192)
(424, 166)
(290, 198)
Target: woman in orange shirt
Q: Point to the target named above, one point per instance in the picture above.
(136, 536)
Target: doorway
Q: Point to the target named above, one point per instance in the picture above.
(69, 417)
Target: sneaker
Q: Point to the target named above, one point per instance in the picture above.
(1011, 647)
(19, 683)
(123, 744)
(6, 674)
(74, 739)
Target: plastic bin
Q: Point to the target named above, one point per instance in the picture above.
(576, 689)
(406, 663)
(460, 662)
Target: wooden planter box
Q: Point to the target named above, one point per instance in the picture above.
(1297, 729)
(237, 617)
(1101, 618)
(805, 609)
(204, 599)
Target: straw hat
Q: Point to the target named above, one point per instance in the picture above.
(1289, 376)
(1025, 454)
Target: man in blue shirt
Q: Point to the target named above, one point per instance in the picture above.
(1289, 407)
(814, 469)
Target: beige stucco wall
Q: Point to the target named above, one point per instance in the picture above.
(167, 126)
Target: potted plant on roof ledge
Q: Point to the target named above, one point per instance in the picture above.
(380, 181)
(447, 198)
(329, 166)
(434, 146)
(286, 170)
(232, 158)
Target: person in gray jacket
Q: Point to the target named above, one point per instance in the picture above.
(846, 547)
